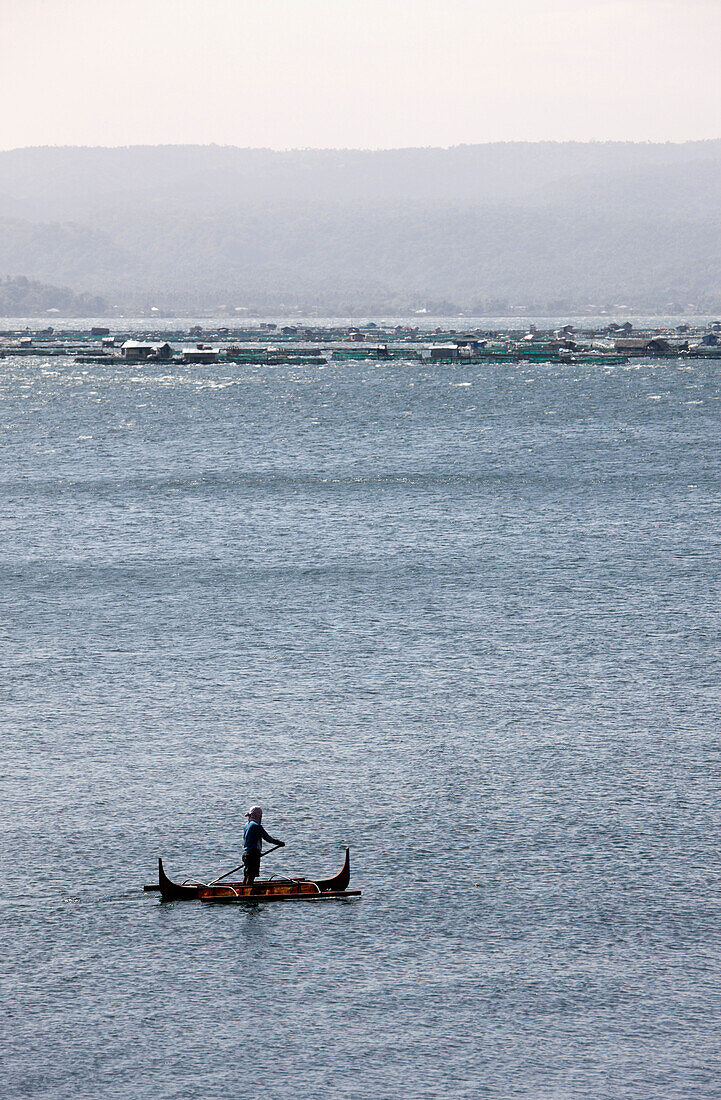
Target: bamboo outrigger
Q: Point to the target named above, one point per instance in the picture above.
(272, 889)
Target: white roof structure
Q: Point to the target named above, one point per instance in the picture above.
(133, 344)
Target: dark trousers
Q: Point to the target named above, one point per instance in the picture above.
(251, 863)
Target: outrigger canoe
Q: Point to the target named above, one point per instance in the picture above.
(272, 889)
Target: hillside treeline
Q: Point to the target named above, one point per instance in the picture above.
(23, 297)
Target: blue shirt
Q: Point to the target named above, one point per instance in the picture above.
(254, 835)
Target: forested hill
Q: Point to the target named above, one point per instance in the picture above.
(472, 227)
(22, 297)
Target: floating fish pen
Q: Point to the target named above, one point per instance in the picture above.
(38, 352)
(274, 357)
(383, 352)
(278, 360)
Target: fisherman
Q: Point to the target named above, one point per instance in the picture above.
(253, 836)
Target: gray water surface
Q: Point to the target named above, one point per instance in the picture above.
(464, 620)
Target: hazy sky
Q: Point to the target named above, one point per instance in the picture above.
(358, 73)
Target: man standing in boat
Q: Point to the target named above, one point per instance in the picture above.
(253, 836)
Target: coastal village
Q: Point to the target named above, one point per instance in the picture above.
(274, 343)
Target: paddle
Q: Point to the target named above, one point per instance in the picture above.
(265, 853)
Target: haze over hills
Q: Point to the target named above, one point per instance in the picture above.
(548, 225)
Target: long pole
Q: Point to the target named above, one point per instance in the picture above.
(265, 853)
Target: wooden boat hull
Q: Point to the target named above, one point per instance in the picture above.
(225, 896)
(262, 889)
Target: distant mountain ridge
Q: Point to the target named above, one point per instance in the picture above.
(349, 230)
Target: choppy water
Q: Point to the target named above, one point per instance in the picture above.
(465, 620)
